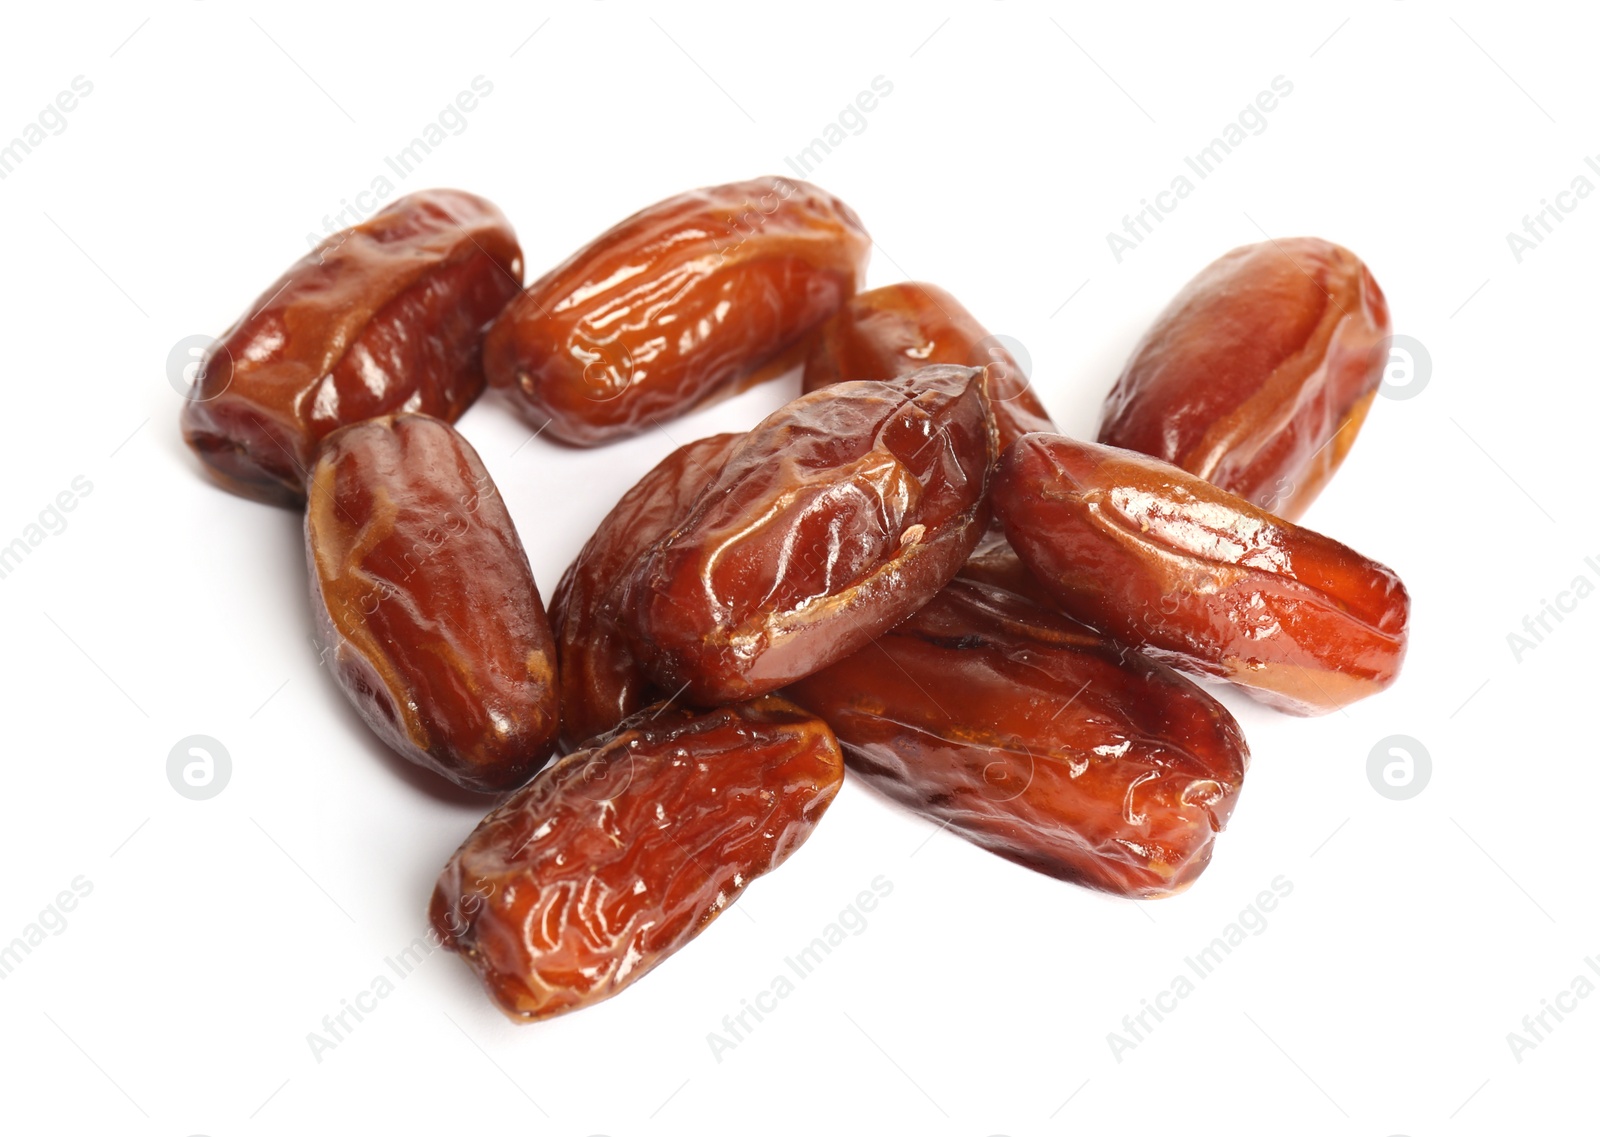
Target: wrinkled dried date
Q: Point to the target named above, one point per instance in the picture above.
(1200, 578)
(426, 604)
(674, 305)
(1258, 375)
(835, 518)
(1037, 738)
(601, 682)
(897, 329)
(618, 855)
(381, 318)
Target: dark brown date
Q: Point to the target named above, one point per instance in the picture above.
(834, 519)
(381, 318)
(1039, 739)
(679, 303)
(601, 682)
(618, 855)
(1260, 372)
(895, 330)
(1200, 578)
(425, 603)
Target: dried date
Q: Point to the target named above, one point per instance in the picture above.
(1038, 739)
(1200, 578)
(618, 855)
(426, 605)
(1259, 374)
(382, 318)
(601, 682)
(678, 303)
(897, 329)
(835, 518)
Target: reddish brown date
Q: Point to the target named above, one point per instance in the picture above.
(618, 855)
(675, 305)
(601, 682)
(425, 604)
(1258, 375)
(895, 330)
(1200, 578)
(381, 318)
(834, 519)
(1035, 737)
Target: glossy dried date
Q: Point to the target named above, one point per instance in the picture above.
(895, 330)
(618, 855)
(1259, 374)
(1200, 578)
(1035, 737)
(382, 318)
(676, 304)
(426, 605)
(835, 518)
(601, 682)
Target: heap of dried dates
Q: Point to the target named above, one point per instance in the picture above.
(907, 570)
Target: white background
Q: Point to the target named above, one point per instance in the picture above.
(1378, 999)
